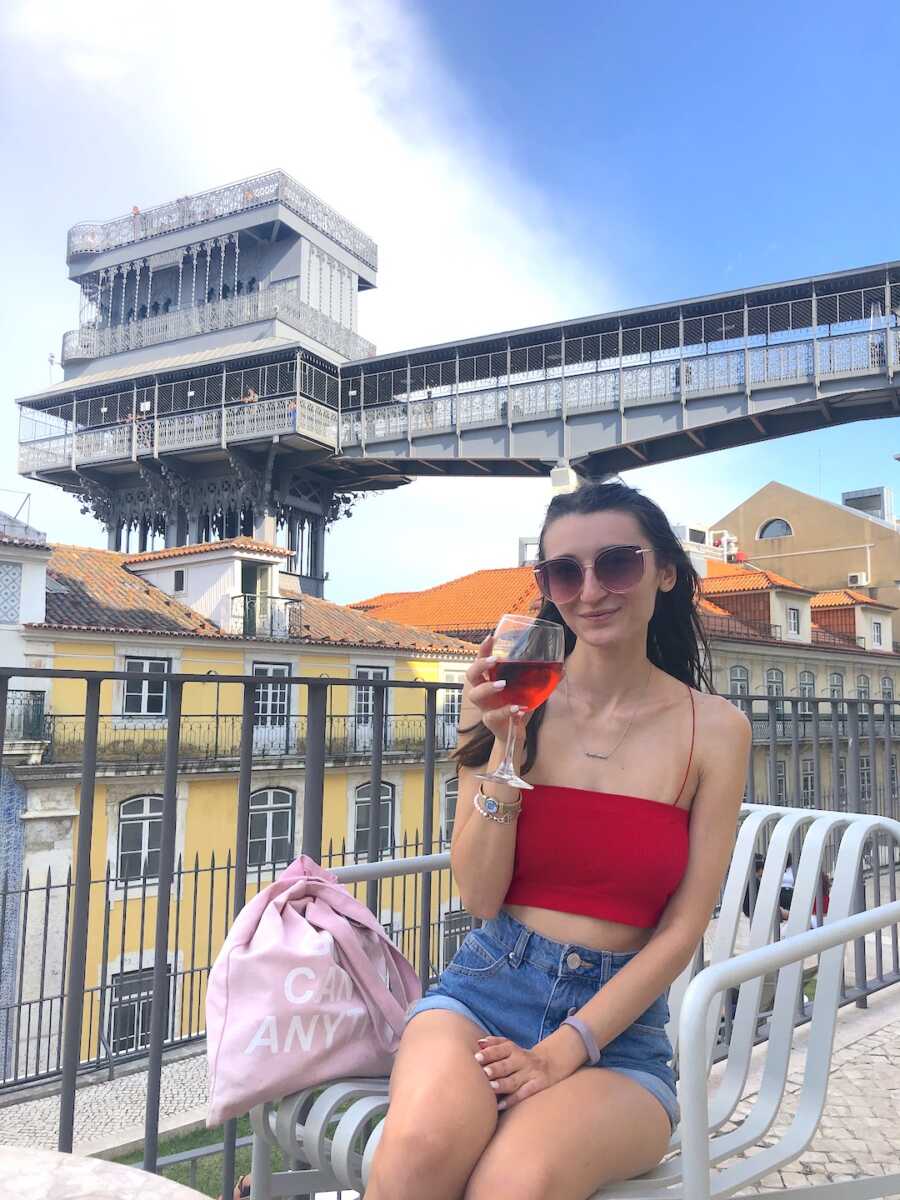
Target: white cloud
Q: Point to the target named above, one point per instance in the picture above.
(354, 100)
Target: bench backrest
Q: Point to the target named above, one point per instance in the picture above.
(808, 841)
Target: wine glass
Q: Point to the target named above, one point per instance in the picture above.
(530, 654)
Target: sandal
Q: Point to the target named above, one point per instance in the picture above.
(241, 1188)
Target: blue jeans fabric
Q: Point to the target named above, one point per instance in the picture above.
(514, 983)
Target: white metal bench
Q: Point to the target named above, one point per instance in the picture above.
(329, 1136)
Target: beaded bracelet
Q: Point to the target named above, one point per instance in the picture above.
(496, 810)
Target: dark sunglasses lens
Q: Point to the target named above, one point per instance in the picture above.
(562, 580)
(619, 569)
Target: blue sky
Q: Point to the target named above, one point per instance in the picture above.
(516, 163)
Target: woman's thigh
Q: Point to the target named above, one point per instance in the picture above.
(442, 1110)
(567, 1141)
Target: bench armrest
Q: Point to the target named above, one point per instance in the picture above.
(703, 990)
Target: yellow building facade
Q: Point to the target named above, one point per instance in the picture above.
(128, 791)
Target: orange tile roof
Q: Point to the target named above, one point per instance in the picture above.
(470, 604)
(326, 623)
(236, 543)
(755, 580)
(707, 606)
(97, 593)
(715, 566)
(383, 600)
(844, 597)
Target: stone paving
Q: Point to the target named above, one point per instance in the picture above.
(859, 1133)
(860, 1129)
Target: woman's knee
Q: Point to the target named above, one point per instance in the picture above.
(526, 1177)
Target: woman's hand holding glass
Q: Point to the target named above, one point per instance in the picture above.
(487, 696)
(517, 669)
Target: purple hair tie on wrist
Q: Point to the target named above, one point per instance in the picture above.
(590, 1042)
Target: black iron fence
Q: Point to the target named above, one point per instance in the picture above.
(83, 986)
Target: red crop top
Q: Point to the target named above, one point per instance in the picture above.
(600, 854)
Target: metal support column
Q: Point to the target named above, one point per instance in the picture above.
(74, 1006)
(427, 836)
(374, 847)
(159, 1005)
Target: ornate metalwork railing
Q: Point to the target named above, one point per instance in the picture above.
(25, 716)
(458, 399)
(266, 616)
(279, 300)
(210, 738)
(181, 431)
(92, 237)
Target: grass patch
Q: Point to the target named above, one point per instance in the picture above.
(208, 1170)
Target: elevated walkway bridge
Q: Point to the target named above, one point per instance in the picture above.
(604, 393)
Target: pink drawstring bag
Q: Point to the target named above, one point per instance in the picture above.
(307, 988)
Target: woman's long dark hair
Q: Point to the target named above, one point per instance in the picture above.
(676, 642)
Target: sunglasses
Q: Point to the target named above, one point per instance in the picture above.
(617, 569)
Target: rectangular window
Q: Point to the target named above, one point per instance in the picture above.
(793, 620)
(865, 778)
(364, 709)
(146, 697)
(807, 782)
(780, 782)
(178, 585)
(876, 633)
(131, 1001)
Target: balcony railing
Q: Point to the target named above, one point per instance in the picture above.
(210, 739)
(279, 300)
(25, 716)
(839, 641)
(181, 431)
(93, 237)
(266, 616)
(736, 627)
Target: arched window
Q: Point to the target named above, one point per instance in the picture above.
(775, 687)
(807, 682)
(140, 827)
(775, 528)
(271, 839)
(863, 692)
(739, 681)
(363, 818)
(451, 794)
(887, 687)
(836, 692)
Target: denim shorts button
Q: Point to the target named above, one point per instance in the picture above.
(572, 1011)
(573, 961)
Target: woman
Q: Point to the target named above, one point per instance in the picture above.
(538, 1065)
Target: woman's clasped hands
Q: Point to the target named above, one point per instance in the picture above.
(514, 1073)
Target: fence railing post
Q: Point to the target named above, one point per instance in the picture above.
(314, 789)
(158, 1003)
(374, 848)
(427, 835)
(240, 889)
(74, 1002)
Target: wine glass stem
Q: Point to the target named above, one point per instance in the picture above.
(507, 767)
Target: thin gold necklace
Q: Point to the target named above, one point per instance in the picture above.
(608, 753)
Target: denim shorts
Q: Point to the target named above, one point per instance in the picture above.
(514, 983)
